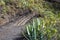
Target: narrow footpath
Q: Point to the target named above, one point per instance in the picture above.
(11, 30)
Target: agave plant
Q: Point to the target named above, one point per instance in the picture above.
(38, 30)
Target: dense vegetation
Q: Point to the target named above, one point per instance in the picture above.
(44, 28)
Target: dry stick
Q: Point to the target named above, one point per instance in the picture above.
(23, 20)
(19, 20)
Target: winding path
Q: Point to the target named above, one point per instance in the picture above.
(11, 30)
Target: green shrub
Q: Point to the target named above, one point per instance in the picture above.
(39, 5)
